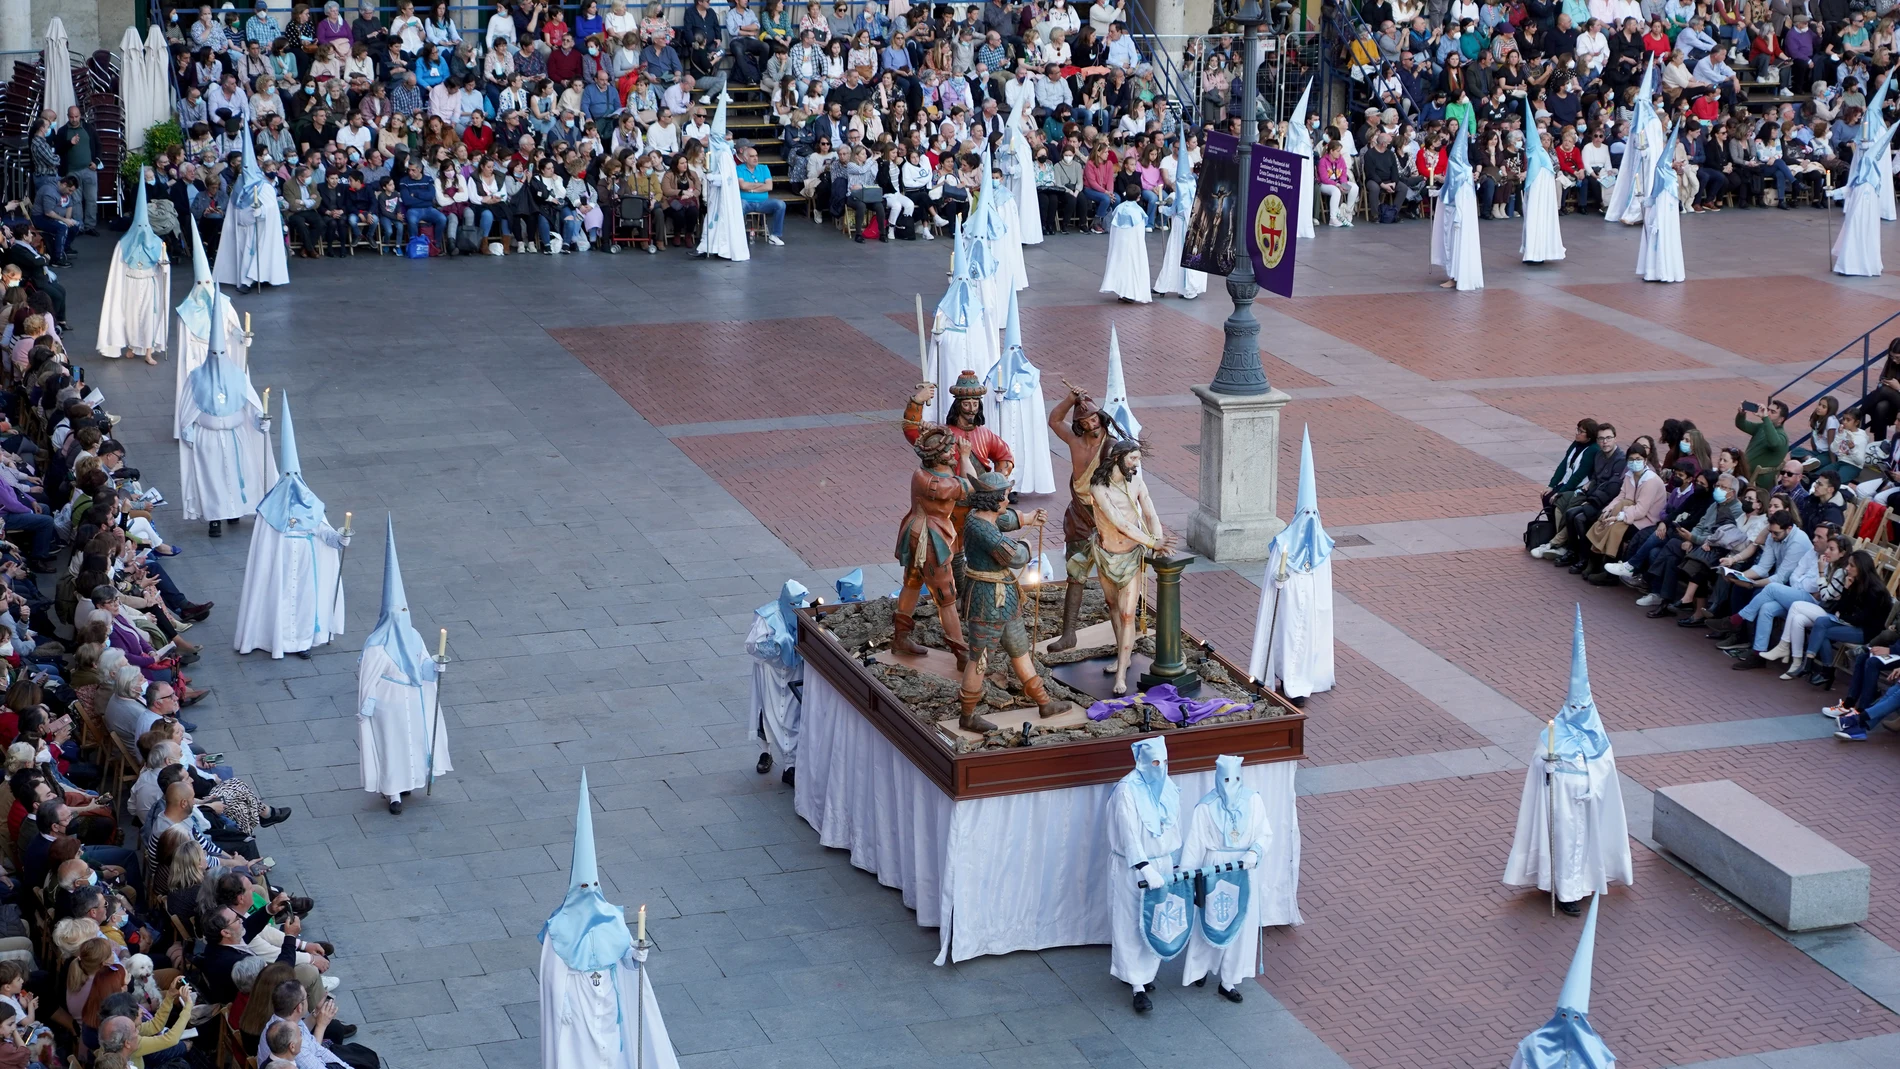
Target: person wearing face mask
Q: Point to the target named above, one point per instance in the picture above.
(1228, 827)
(1688, 553)
(1638, 505)
(1143, 823)
(1063, 194)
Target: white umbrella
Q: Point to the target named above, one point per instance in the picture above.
(59, 72)
(155, 90)
(131, 79)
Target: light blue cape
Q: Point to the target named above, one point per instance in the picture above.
(1567, 1041)
(204, 297)
(782, 615)
(1228, 799)
(1304, 543)
(394, 632)
(1580, 733)
(1157, 797)
(218, 386)
(290, 505)
(1014, 375)
(588, 932)
(141, 247)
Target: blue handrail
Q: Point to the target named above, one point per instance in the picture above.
(1867, 358)
(1171, 76)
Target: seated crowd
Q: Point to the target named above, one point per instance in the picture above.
(539, 124)
(130, 877)
(1578, 67)
(1781, 555)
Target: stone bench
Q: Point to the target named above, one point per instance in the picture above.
(1761, 856)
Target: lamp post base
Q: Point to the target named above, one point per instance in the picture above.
(1240, 475)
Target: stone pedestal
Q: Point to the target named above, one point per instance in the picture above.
(1240, 475)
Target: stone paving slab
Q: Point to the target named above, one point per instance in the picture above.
(596, 582)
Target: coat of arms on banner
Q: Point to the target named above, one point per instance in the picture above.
(1166, 919)
(1224, 906)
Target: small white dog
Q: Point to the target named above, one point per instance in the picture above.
(138, 969)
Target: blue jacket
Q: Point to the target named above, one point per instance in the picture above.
(416, 192)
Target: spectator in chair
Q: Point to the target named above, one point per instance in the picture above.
(1639, 503)
(1784, 574)
(1606, 478)
(1860, 610)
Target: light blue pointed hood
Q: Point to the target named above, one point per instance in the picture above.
(1580, 733)
(1568, 1041)
(1663, 178)
(218, 386)
(1457, 166)
(1229, 799)
(962, 303)
(719, 138)
(251, 177)
(1304, 543)
(140, 247)
(1537, 161)
(1115, 397)
(1297, 139)
(1157, 796)
(782, 615)
(394, 632)
(1184, 180)
(1014, 375)
(290, 505)
(989, 224)
(588, 932)
(195, 310)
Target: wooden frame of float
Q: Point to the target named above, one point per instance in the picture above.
(1039, 768)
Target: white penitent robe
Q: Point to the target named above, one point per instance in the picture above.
(1306, 195)
(1131, 959)
(1886, 202)
(1659, 257)
(774, 717)
(1126, 274)
(1022, 188)
(225, 464)
(393, 729)
(1592, 835)
(1455, 238)
(1543, 239)
(1206, 845)
(723, 233)
(252, 248)
(1174, 278)
(1857, 247)
(1293, 631)
(589, 1020)
(135, 307)
(1023, 425)
(1008, 246)
(291, 599)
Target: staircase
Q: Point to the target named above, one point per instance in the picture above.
(749, 116)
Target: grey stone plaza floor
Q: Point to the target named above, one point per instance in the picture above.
(596, 584)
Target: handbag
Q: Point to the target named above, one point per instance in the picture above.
(1538, 531)
(358, 1056)
(418, 248)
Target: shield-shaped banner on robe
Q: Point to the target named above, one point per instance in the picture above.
(1167, 918)
(1223, 897)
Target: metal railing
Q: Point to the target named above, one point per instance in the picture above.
(1867, 358)
(1189, 86)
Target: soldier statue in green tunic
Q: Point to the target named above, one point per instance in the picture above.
(991, 609)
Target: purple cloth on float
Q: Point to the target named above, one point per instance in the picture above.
(1174, 708)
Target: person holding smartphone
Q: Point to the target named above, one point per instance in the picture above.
(1767, 442)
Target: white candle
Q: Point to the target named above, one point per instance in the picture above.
(643, 924)
(442, 644)
(247, 322)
